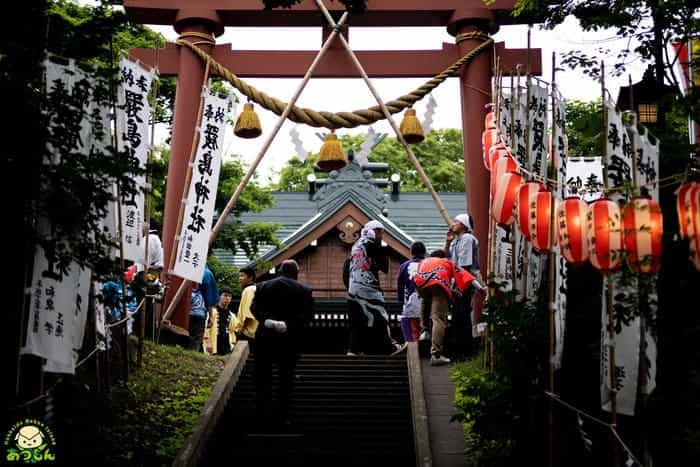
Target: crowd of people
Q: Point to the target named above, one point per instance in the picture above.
(426, 287)
(271, 315)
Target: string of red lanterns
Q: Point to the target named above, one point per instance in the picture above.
(602, 232)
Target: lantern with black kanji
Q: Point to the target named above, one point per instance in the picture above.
(686, 208)
(642, 229)
(501, 166)
(522, 204)
(605, 235)
(504, 197)
(573, 229)
(540, 230)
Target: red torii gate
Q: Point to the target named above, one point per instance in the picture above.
(194, 18)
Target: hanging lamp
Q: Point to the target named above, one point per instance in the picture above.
(410, 127)
(605, 235)
(695, 222)
(496, 151)
(522, 205)
(489, 137)
(541, 221)
(686, 208)
(501, 166)
(248, 123)
(504, 198)
(490, 120)
(643, 228)
(573, 229)
(331, 155)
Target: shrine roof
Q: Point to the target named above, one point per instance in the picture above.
(408, 217)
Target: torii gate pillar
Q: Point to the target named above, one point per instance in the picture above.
(192, 25)
(475, 91)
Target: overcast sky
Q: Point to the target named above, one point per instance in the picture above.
(350, 94)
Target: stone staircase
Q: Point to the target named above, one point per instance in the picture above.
(346, 411)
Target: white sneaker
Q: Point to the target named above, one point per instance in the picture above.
(424, 336)
(351, 354)
(439, 360)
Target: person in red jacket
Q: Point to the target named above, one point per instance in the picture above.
(437, 279)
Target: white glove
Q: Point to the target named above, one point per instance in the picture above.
(279, 326)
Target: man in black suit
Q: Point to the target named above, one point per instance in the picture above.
(281, 306)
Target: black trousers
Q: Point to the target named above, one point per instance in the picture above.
(376, 339)
(197, 333)
(462, 342)
(277, 352)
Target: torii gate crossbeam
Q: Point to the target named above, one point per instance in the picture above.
(209, 17)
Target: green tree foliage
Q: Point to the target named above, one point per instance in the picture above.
(73, 193)
(440, 154)
(110, 35)
(649, 24)
(485, 409)
(583, 126)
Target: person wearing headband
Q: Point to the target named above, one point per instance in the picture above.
(367, 315)
(462, 247)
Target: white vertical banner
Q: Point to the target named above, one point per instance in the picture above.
(559, 155)
(626, 334)
(649, 305)
(537, 111)
(193, 244)
(504, 118)
(52, 309)
(560, 301)
(536, 264)
(133, 112)
(584, 178)
(100, 311)
(503, 254)
(625, 289)
(69, 92)
(619, 155)
(519, 146)
(520, 258)
(77, 332)
(560, 148)
(647, 165)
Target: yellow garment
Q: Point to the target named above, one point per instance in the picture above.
(210, 334)
(210, 331)
(246, 323)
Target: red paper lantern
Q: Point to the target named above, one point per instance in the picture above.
(500, 167)
(643, 228)
(695, 222)
(687, 209)
(497, 151)
(605, 235)
(490, 120)
(488, 138)
(504, 198)
(541, 221)
(573, 229)
(522, 205)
